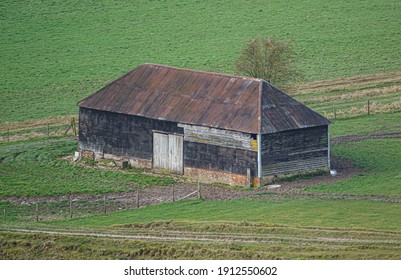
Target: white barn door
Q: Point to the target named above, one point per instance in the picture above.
(160, 150)
(175, 145)
(168, 152)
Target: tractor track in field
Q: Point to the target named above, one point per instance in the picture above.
(170, 236)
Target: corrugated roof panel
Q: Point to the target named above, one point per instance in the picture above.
(201, 98)
(282, 112)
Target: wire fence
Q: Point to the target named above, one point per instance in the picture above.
(31, 129)
(59, 126)
(76, 208)
(367, 108)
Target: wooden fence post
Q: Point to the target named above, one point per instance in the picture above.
(71, 209)
(173, 194)
(74, 126)
(199, 191)
(248, 177)
(5, 215)
(104, 204)
(137, 198)
(37, 212)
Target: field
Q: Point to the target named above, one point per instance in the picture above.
(361, 223)
(54, 54)
(34, 168)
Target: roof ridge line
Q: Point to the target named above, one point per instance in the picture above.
(205, 72)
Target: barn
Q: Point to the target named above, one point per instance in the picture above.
(211, 126)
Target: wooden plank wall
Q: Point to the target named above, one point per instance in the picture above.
(219, 150)
(119, 134)
(168, 152)
(160, 151)
(132, 136)
(176, 156)
(212, 157)
(294, 151)
(219, 137)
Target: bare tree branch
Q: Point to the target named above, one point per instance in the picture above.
(268, 59)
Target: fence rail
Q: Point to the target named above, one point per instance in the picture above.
(75, 208)
(20, 131)
(69, 124)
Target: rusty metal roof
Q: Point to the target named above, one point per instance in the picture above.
(201, 98)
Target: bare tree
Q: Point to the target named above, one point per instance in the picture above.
(268, 59)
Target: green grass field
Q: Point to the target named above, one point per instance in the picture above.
(388, 122)
(54, 54)
(365, 95)
(237, 229)
(303, 212)
(257, 228)
(381, 159)
(35, 168)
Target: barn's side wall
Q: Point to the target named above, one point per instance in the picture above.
(209, 153)
(294, 151)
(219, 150)
(119, 134)
(212, 157)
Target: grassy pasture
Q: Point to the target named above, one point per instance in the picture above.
(55, 53)
(380, 158)
(302, 212)
(349, 97)
(283, 228)
(35, 168)
(384, 122)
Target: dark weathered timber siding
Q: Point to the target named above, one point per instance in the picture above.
(212, 157)
(132, 136)
(219, 137)
(119, 134)
(294, 150)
